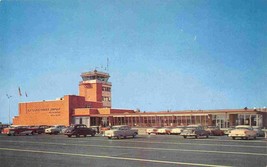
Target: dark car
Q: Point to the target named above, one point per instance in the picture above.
(39, 129)
(79, 129)
(215, 131)
(194, 131)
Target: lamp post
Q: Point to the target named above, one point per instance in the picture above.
(8, 96)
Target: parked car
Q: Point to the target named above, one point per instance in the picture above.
(243, 132)
(103, 129)
(152, 130)
(226, 131)
(121, 131)
(79, 129)
(214, 131)
(39, 129)
(164, 131)
(63, 130)
(54, 129)
(2, 126)
(177, 130)
(194, 131)
(18, 130)
(260, 132)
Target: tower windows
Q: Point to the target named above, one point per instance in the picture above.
(106, 89)
(104, 98)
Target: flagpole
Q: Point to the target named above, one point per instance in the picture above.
(8, 96)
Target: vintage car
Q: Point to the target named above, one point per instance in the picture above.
(214, 131)
(54, 129)
(177, 130)
(152, 130)
(103, 129)
(79, 129)
(164, 131)
(226, 131)
(2, 126)
(194, 131)
(121, 131)
(38, 129)
(260, 132)
(17, 130)
(243, 132)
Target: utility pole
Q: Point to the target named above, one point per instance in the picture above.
(8, 96)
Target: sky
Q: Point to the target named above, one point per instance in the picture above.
(162, 55)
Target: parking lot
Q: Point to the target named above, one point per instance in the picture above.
(145, 150)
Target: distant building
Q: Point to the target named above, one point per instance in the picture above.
(93, 107)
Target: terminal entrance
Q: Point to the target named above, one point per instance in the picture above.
(92, 121)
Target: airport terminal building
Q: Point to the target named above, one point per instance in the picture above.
(93, 107)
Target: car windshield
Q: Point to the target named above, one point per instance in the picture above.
(242, 127)
(115, 127)
(191, 127)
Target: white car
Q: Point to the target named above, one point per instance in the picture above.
(164, 131)
(54, 129)
(178, 130)
(243, 132)
(152, 130)
(121, 131)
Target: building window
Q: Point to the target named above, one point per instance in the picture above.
(106, 89)
(104, 98)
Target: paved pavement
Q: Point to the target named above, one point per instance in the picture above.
(156, 151)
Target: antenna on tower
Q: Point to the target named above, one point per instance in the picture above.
(107, 64)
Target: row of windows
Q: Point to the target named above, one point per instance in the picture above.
(107, 89)
(104, 98)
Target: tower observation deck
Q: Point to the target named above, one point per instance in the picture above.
(95, 75)
(95, 87)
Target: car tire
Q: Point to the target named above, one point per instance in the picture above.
(69, 135)
(109, 137)
(93, 134)
(77, 135)
(84, 135)
(185, 137)
(134, 135)
(233, 138)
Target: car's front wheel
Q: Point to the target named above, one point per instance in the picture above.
(134, 135)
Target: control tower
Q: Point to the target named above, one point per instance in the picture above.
(95, 87)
